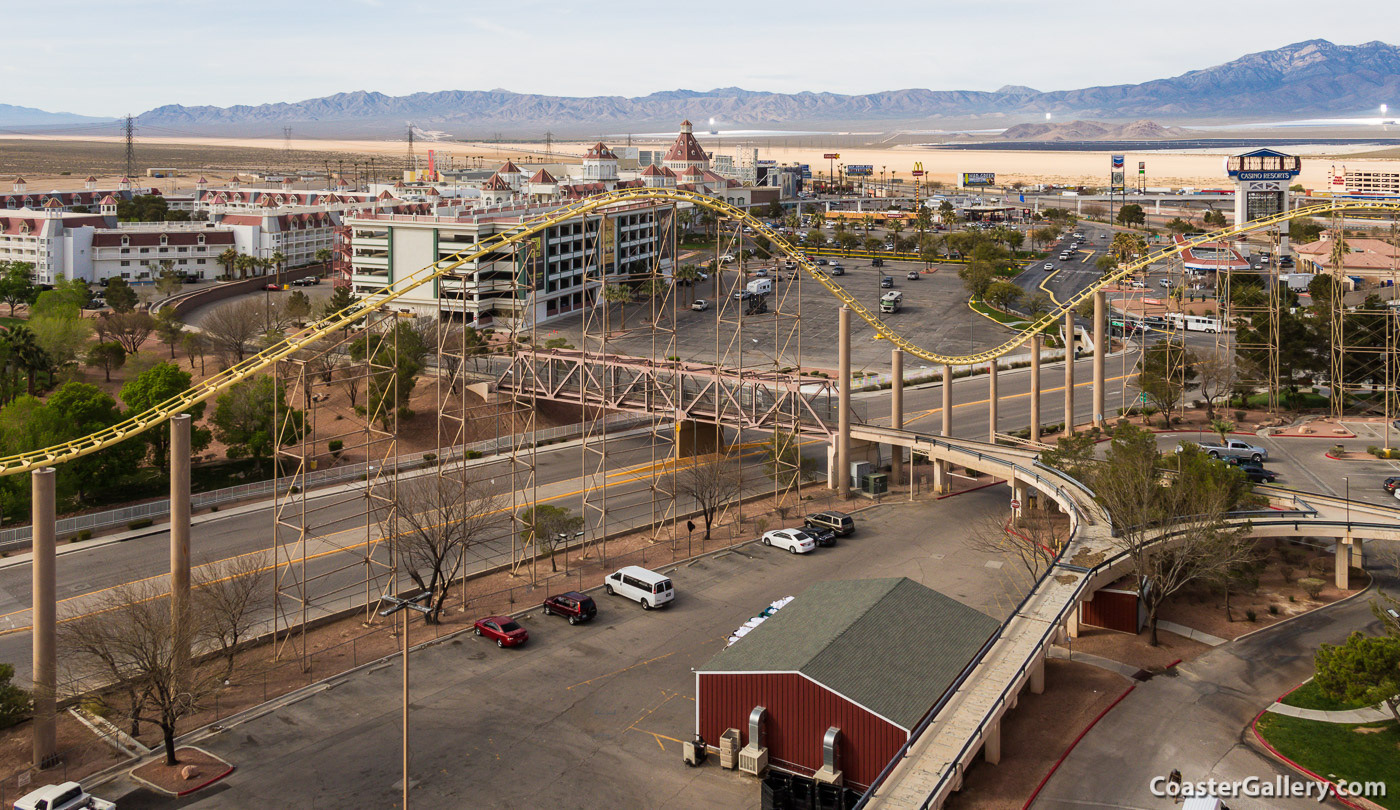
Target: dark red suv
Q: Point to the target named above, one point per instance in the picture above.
(573, 605)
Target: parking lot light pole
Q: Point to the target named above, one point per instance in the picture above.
(396, 605)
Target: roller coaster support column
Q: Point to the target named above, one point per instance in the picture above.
(843, 434)
(1069, 373)
(1100, 350)
(896, 413)
(947, 401)
(1035, 388)
(45, 619)
(992, 400)
(1342, 563)
(179, 519)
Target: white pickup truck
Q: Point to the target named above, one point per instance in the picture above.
(65, 796)
(1232, 448)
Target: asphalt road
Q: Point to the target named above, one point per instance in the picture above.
(584, 716)
(1197, 720)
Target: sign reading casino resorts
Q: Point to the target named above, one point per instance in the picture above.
(1261, 182)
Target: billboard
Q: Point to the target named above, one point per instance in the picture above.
(860, 171)
(977, 179)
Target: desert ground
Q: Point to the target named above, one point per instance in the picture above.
(61, 162)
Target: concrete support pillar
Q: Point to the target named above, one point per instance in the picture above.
(947, 400)
(1158, 208)
(1100, 351)
(1035, 388)
(843, 438)
(1069, 373)
(992, 401)
(940, 477)
(1343, 564)
(896, 413)
(697, 438)
(1038, 676)
(1019, 491)
(179, 517)
(45, 617)
(991, 743)
(1072, 622)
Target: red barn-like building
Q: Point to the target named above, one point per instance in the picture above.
(869, 657)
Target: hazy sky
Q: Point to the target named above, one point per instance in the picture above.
(110, 58)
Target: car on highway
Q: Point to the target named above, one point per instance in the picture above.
(761, 272)
(503, 630)
(1048, 266)
(794, 540)
(821, 262)
(574, 606)
(1391, 484)
(639, 584)
(726, 258)
(912, 275)
(700, 305)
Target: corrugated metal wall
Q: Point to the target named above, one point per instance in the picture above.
(799, 713)
(1114, 610)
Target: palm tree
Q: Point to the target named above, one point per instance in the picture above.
(243, 263)
(690, 274)
(228, 258)
(278, 259)
(619, 294)
(818, 218)
(867, 222)
(896, 227)
(26, 354)
(323, 256)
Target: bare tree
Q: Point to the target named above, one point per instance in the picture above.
(1033, 541)
(550, 527)
(713, 483)
(350, 376)
(1217, 376)
(129, 329)
(1172, 528)
(230, 595)
(132, 639)
(437, 519)
(232, 327)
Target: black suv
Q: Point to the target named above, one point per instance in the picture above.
(1391, 484)
(821, 535)
(574, 605)
(839, 522)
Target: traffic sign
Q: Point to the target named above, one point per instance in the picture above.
(832, 156)
(1015, 504)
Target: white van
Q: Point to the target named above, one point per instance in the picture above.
(640, 585)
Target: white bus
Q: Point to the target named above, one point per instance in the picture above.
(1194, 323)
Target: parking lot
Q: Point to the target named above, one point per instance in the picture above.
(589, 715)
(934, 314)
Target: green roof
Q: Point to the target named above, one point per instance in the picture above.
(892, 646)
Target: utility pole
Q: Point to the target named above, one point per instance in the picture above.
(397, 605)
(130, 146)
(287, 147)
(412, 163)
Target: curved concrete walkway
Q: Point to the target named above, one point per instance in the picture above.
(1369, 714)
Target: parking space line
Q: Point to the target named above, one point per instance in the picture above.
(649, 712)
(624, 669)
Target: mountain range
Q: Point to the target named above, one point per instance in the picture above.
(1315, 78)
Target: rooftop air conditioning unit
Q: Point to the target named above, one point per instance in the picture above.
(753, 759)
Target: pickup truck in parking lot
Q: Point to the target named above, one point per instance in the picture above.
(1232, 448)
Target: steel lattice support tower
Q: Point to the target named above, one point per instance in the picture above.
(130, 132)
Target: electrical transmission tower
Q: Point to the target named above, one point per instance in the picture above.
(287, 146)
(412, 164)
(130, 146)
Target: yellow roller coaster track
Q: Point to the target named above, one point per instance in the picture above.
(141, 422)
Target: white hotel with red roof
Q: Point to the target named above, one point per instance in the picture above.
(384, 246)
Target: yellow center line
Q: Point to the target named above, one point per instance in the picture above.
(1049, 291)
(932, 411)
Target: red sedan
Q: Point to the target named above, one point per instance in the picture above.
(504, 630)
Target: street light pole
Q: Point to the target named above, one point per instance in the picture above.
(397, 605)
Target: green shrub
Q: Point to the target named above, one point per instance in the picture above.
(430, 457)
(15, 703)
(406, 413)
(335, 446)
(95, 705)
(140, 524)
(85, 534)
(1239, 416)
(1273, 610)
(214, 508)
(472, 454)
(1251, 615)
(1312, 586)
